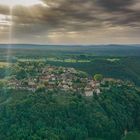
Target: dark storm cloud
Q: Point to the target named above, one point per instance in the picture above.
(123, 8)
(74, 15)
(113, 5)
(63, 15)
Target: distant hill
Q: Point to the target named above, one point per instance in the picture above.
(99, 50)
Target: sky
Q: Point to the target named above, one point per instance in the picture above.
(70, 21)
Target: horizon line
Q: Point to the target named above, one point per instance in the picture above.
(106, 44)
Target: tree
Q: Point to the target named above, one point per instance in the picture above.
(41, 88)
(45, 83)
(98, 77)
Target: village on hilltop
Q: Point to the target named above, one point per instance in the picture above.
(52, 78)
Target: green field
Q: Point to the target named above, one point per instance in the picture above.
(67, 60)
(4, 64)
(132, 136)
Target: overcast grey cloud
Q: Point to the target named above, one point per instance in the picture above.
(73, 22)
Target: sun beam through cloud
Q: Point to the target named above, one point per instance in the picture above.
(20, 2)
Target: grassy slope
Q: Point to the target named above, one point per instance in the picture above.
(132, 136)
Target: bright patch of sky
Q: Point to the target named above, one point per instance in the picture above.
(20, 2)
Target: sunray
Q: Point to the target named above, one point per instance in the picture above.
(10, 35)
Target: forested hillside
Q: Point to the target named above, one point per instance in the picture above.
(69, 116)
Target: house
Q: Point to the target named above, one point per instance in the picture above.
(88, 92)
(65, 87)
(97, 91)
(32, 86)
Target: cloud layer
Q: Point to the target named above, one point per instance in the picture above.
(73, 22)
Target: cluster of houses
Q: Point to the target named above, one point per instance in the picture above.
(59, 78)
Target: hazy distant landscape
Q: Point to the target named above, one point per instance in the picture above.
(96, 50)
(118, 61)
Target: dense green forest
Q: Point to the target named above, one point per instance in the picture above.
(69, 116)
(55, 115)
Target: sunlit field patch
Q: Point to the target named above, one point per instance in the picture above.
(31, 60)
(113, 59)
(4, 64)
(68, 60)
